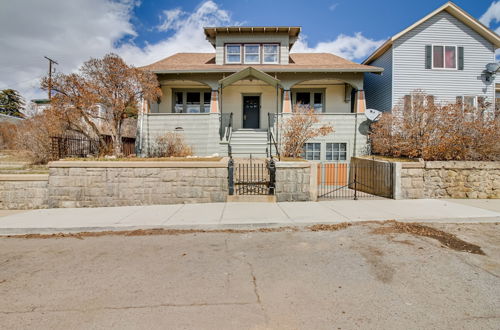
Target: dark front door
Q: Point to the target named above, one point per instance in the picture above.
(251, 111)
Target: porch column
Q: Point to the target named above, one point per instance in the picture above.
(360, 105)
(287, 101)
(214, 101)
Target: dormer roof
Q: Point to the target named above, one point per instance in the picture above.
(292, 31)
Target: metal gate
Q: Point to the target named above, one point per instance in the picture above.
(251, 177)
(355, 180)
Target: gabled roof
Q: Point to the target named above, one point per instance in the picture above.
(298, 62)
(249, 72)
(453, 10)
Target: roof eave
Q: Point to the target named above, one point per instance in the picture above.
(225, 70)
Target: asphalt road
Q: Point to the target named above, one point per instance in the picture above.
(347, 279)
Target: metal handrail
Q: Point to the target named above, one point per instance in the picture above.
(270, 136)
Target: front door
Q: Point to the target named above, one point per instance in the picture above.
(251, 111)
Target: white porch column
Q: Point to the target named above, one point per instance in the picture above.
(214, 101)
(287, 101)
(360, 103)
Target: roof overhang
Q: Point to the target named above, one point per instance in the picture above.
(292, 31)
(249, 72)
(291, 70)
(453, 10)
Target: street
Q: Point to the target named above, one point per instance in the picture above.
(361, 276)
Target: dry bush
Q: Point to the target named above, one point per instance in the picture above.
(438, 132)
(8, 133)
(34, 136)
(298, 128)
(170, 144)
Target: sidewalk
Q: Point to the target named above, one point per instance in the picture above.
(231, 215)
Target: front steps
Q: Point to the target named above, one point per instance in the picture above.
(246, 142)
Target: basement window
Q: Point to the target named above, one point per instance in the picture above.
(312, 151)
(336, 151)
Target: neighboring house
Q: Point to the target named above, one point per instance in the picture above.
(444, 54)
(239, 94)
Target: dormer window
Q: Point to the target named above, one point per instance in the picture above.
(270, 54)
(233, 54)
(252, 54)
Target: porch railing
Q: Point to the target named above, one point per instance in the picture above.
(271, 138)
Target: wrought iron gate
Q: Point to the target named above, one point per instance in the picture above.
(355, 180)
(251, 178)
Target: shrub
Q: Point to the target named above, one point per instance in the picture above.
(438, 132)
(299, 127)
(171, 144)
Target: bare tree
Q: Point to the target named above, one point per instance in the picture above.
(101, 95)
(419, 128)
(301, 126)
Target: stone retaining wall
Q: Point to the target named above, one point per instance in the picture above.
(296, 181)
(451, 179)
(95, 184)
(23, 191)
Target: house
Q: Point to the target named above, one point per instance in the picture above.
(444, 54)
(237, 95)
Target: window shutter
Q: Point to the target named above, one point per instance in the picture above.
(428, 57)
(460, 100)
(460, 58)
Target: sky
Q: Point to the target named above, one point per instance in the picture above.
(145, 31)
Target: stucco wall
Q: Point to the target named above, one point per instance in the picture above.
(23, 191)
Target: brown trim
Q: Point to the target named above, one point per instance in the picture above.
(261, 53)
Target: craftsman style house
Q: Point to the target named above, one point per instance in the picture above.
(238, 95)
(444, 54)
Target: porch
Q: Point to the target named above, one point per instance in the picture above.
(215, 110)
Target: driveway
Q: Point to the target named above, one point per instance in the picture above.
(362, 276)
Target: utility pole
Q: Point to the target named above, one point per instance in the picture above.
(50, 75)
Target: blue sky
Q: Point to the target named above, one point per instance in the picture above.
(145, 31)
(320, 20)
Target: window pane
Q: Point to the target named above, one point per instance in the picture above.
(193, 102)
(271, 49)
(312, 151)
(251, 49)
(270, 58)
(233, 49)
(233, 58)
(449, 57)
(206, 101)
(303, 98)
(178, 102)
(249, 58)
(271, 53)
(438, 57)
(469, 102)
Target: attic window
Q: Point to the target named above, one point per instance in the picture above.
(233, 54)
(252, 53)
(270, 54)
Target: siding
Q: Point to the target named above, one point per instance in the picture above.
(222, 39)
(378, 88)
(201, 131)
(409, 61)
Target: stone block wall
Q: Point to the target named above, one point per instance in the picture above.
(295, 181)
(23, 191)
(450, 179)
(96, 184)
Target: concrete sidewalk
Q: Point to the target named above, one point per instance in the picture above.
(231, 215)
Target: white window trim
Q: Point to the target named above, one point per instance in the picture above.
(337, 160)
(277, 54)
(444, 61)
(227, 53)
(474, 105)
(245, 53)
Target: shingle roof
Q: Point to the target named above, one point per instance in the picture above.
(298, 62)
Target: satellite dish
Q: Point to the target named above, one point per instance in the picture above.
(372, 114)
(492, 67)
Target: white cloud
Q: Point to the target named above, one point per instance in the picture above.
(492, 15)
(333, 6)
(355, 47)
(73, 31)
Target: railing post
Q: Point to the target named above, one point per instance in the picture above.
(230, 176)
(272, 176)
(355, 183)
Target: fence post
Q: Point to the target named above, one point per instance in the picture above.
(272, 176)
(355, 183)
(230, 176)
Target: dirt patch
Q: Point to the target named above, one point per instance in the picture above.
(162, 231)
(449, 240)
(330, 227)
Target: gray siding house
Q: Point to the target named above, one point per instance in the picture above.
(444, 54)
(238, 95)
